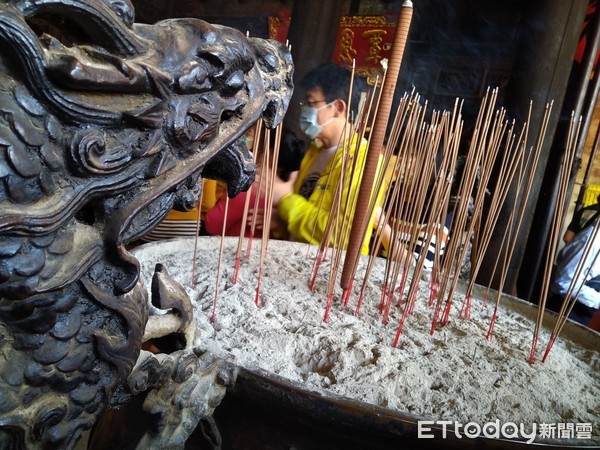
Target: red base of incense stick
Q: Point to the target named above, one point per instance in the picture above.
(383, 297)
(315, 270)
(533, 350)
(346, 293)
(490, 332)
(436, 316)
(465, 311)
(435, 288)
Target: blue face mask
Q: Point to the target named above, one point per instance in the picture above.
(308, 120)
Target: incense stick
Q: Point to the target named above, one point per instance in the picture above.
(214, 309)
(195, 254)
(423, 198)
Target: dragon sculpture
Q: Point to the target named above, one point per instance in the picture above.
(105, 125)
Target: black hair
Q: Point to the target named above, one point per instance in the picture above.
(291, 151)
(335, 80)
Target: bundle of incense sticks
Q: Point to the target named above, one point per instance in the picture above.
(421, 157)
(557, 226)
(522, 191)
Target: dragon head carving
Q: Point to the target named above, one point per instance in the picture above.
(105, 125)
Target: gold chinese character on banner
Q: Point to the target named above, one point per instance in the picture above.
(375, 38)
(347, 52)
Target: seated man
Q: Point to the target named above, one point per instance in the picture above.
(306, 201)
(290, 153)
(567, 261)
(581, 219)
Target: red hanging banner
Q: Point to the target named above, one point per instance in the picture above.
(366, 39)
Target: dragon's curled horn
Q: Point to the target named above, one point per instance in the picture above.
(101, 22)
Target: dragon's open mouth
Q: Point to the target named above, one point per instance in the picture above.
(233, 166)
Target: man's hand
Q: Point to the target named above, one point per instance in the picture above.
(282, 188)
(259, 220)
